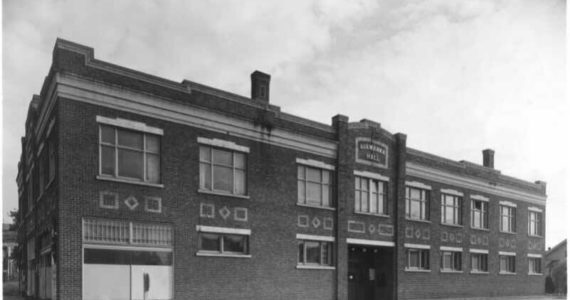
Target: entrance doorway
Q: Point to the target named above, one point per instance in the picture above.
(370, 272)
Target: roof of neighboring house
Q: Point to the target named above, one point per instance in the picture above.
(561, 244)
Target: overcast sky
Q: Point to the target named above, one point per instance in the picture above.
(455, 76)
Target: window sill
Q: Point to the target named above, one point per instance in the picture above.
(308, 267)
(479, 273)
(507, 273)
(450, 272)
(105, 178)
(535, 236)
(482, 229)
(418, 220)
(452, 225)
(371, 214)
(535, 274)
(417, 270)
(201, 191)
(507, 232)
(217, 254)
(314, 206)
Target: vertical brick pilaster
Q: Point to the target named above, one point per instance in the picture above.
(399, 212)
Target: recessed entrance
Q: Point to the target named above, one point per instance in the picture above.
(370, 272)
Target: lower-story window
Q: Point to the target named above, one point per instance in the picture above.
(534, 265)
(417, 259)
(223, 241)
(507, 263)
(316, 253)
(450, 261)
(479, 262)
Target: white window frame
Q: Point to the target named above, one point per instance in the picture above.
(455, 266)
(322, 168)
(423, 266)
(381, 198)
(323, 241)
(221, 231)
(508, 256)
(535, 226)
(457, 206)
(233, 149)
(511, 216)
(424, 202)
(531, 259)
(484, 213)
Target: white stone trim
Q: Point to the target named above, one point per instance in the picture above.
(223, 144)
(371, 175)
(212, 229)
(218, 254)
(121, 247)
(417, 246)
(370, 242)
(534, 255)
(414, 169)
(480, 251)
(508, 203)
(451, 192)
(315, 267)
(315, 163)
(535, 209)
(418, 184)
(123, 123)
(507, 253)
(312, 237)
(479, 197)
(454, 249)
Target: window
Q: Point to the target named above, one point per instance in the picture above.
(507, 264)
(370, 196)
(224, 243)
(534, 223)
(106, 231)
(314, 186)
(129, 154)
(417, 259)
(222, 170)
(507, 218)
(51, 163)
(417, 203)
(315, 253)
(451, 209)
(479, 262)
(479, 214)
(534, 265)
(451, 261)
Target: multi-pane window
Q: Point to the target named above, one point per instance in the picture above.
(315, 253)
(370, 196)
(479, 262)
(451, 261)
(314, 186)
(534, 223)
(417, 201)
(129, 154)
(479, 214)
(534, 265)
(224, 243)
(106, 231)
(223, 170)
(417, 259)
(508, 222)
(507, 263)
(451, 209)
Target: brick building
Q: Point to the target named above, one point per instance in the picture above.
(212, 195)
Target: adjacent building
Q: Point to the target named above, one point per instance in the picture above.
(125, 177)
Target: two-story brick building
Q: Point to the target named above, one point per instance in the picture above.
(212, 195)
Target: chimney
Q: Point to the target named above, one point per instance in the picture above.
(489, 158)
(260, 86)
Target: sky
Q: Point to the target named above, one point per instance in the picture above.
(455, 76)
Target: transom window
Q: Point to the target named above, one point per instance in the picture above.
(223, 170)
(417, 203)
(479, 214)
(417, 259)
(451, 209)
(450, 261)
(314, 186)
(479, 262)
(507, 263)
(316, 253)
(534, 265)
(534, 223)
(508, 223)
(129, 154)
(224, 243)
(370, 196)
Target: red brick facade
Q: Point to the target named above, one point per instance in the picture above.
(80, 89)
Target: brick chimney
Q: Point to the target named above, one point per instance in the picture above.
(260, 86)
(489, 158)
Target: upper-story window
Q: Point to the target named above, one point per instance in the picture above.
(535, 223)
(129, 154)
(479, 213)
(314, 186)
(417, 203)
(223, 170)
(370, 196)
(451, 209)
(508, 220)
